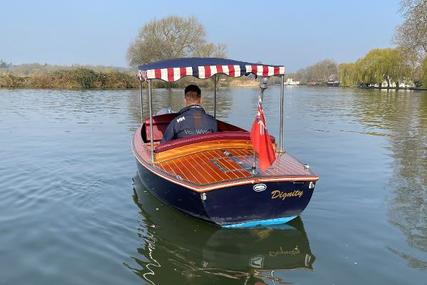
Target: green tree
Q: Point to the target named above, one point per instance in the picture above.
(171, 37)
(369, 68)
(85, 77)
(347, 74)
(382, 64)
(396, 67)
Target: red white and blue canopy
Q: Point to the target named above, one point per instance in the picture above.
(171, 70)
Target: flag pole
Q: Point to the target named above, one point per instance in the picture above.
(254, 161)
(254, 164)
(282, 120)
(214, 80)
(150, 106)
(141, 101)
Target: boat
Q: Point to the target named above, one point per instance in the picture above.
(291, 82)
(200, 250)
(216, 176)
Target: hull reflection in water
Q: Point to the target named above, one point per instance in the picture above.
(180, 250)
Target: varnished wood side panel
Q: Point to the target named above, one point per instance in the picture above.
(200, 147)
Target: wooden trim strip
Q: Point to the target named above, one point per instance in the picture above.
(199, 147)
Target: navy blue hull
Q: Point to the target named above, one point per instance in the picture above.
(172, 194)
(240, 204)
(272, 202)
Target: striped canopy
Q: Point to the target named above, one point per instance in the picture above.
(171, 70)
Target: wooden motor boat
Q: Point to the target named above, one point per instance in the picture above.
(212, 176)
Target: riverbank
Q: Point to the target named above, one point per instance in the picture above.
(361, 87)
(79, 78)
(396, 89)
(86, 78)
(114, 79)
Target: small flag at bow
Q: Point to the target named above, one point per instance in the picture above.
(261, 140)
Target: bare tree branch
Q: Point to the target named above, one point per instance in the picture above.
(169, 38)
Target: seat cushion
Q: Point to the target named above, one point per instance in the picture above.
(160, 123)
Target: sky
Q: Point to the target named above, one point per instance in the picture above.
(291, 33)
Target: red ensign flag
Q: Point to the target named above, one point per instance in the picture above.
(261, 140)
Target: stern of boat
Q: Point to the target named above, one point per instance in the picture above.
(258, 204)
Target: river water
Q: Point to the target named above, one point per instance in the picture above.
(69, 213)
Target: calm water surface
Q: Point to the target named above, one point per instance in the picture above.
(69, 213)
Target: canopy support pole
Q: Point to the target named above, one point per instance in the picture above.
(214, 78)
(150, 105)
(282, 111)
(141, 102)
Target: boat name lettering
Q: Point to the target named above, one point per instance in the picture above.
(277, 194)
(280, 251)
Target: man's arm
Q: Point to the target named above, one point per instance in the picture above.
(169, 133)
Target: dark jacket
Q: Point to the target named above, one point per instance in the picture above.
(191, 120)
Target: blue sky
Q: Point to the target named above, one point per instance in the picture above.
(292, 33)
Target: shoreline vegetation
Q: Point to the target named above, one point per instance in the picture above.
(325, 73)
(70, 78)
(112, 78)
(378, 69)
(35, 76)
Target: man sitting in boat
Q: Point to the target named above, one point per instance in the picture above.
(192, 119)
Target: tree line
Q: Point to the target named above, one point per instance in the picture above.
(319, 73)
(387, 67)
(407, 62)
(379, 67)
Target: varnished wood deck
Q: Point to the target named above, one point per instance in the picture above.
(225, 161)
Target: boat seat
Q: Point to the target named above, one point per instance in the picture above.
(161, 122)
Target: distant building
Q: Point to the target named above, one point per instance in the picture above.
(404, 84)
(291, 82)
(333, 80)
